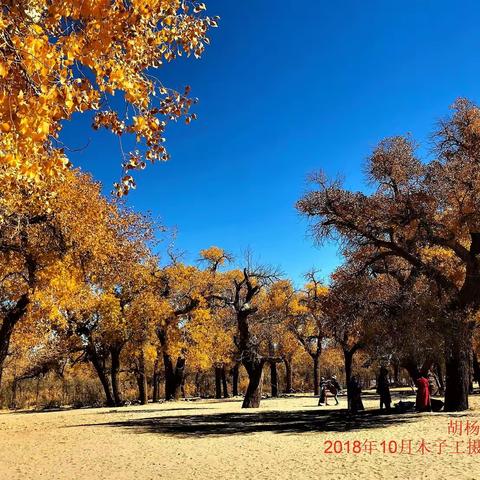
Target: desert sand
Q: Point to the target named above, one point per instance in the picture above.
(286, 438)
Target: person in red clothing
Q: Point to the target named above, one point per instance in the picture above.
(422, 403)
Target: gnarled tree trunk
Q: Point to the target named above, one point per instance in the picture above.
(100, 370)
(173, 377)
(253, 395)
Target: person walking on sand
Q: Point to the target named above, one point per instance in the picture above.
(335, 387)
(383, 389)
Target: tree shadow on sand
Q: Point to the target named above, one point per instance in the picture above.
(290, 422)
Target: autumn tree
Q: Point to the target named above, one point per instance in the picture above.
(409, 316)
(243, 296)
(415, 205)
(33, 240)
(85, 293)
(62, 57)
(188, 323)
(307, 322)
(222, 351)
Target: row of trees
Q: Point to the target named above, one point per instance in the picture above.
(81, 284)
(79, 281)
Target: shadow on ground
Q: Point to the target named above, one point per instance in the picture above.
(247, 423)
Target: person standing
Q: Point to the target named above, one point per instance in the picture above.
(422, 402)
(354, 395)
(383, 389)
(323, 394)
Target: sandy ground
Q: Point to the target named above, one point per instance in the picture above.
(286, 438)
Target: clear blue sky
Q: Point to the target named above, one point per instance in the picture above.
(285, 88)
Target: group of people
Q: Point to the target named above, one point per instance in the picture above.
(355, 404)
(327, 386)
(423, 402)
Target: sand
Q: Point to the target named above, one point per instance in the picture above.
(286, 438)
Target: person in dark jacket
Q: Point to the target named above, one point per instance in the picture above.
(334, 387)
(323, 397)
(383, 389)
(354, 395)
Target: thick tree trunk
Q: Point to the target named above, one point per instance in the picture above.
(114, 372)
(235, 375)
(253, 394)
(316, 374)
(173, 377)
(273, 379)
(458, 341)
(10, 319)
(457, 369)
(218, 382)
(224, 383)
(99, 369)
(288, 375)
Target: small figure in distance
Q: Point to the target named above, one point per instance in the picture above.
(323, 397)
(383, 389)
(334, 387)
(355, 395)
(422, 403)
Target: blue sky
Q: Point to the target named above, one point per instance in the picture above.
(288, 87)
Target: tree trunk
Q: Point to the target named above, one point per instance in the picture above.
(348, 357)
(173, 377)
(288, 375)
(156, 382)
(218, 382)
(10, 319)
(142, 380)
(224, 383)
(235, 375)
(97, 365)
(274, 379)
(114, 372)
(316, 378)
(457, 371)
(253, 394)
